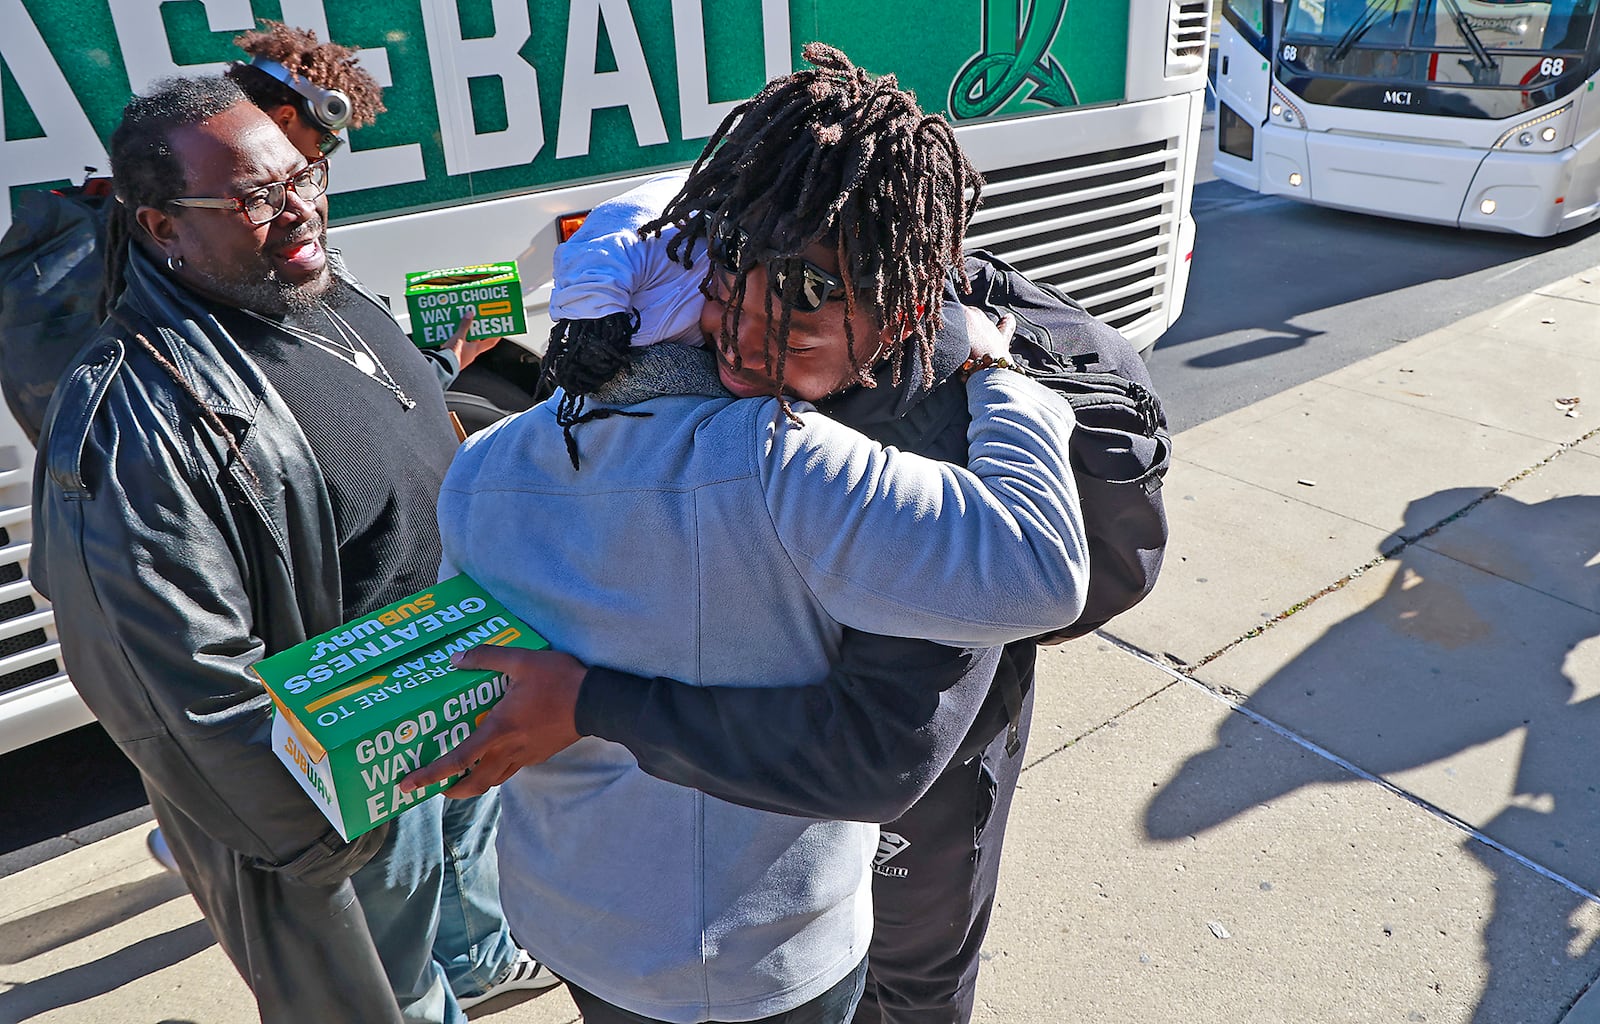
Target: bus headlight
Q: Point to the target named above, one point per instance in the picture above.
(1285, 112)
(1505, 205)
(1523, 132)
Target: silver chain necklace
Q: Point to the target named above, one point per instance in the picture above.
(362, 358)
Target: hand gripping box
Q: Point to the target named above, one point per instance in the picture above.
(360, 706)
(438, 300)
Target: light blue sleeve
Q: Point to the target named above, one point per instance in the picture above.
(606, 267)
(901, 545)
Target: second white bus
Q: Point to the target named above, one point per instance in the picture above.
(1472, 113)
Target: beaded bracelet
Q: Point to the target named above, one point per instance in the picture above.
(984, 362)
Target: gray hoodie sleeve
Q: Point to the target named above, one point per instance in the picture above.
(894, 543)
(445, 365)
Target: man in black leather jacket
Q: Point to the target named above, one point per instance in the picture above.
(249, 454)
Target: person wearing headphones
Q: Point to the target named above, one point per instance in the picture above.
(312, 91)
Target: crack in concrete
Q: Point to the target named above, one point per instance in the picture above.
(1107, 724)
(1423, 804)
(1403, 544)
(1573, 1003)
(1237, 700)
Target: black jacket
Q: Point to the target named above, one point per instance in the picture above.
(865, 743)
(174, 562)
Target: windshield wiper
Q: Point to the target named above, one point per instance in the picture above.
(1470, 34)
(1359, 27)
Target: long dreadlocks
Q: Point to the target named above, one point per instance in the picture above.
(827, 153)
(833, 154)
(148, 172)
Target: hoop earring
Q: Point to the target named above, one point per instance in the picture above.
(174, 263)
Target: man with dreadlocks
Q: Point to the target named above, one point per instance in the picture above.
(311, 91)
(248, 453)
(833, 210)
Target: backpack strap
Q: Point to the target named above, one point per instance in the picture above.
(1120, 447)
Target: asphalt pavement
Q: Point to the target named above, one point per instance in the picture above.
(1339, 767)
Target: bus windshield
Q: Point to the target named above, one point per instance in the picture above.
(1479, 26)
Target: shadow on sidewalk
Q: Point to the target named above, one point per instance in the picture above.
(1448, 659)
(110, 972)
(27, 937)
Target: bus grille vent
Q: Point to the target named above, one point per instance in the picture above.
(1189, 28)
(1100, 226)
(28, 648)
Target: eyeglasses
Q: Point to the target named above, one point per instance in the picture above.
(728, 249)
(266, 204)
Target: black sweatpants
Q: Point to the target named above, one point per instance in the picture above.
(933, 889)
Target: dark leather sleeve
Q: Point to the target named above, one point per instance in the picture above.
(154, 617)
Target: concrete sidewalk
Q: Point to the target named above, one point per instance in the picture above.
(1340, 767)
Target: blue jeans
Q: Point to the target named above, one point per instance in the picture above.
(431, 898)
(832, 1007)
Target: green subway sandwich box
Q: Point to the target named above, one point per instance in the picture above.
(438, 300)
(357, 708)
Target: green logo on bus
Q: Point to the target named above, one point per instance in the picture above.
(1009, 60)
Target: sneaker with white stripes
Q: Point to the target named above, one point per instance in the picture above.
(525, 975)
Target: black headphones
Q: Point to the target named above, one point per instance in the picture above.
(328, 109)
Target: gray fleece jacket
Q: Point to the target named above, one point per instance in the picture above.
(716, 542)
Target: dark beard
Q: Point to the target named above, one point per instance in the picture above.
(265, 291)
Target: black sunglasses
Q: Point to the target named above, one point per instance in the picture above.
(729, 249)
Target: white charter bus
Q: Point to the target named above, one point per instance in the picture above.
(506, 116)
(1473, 113)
